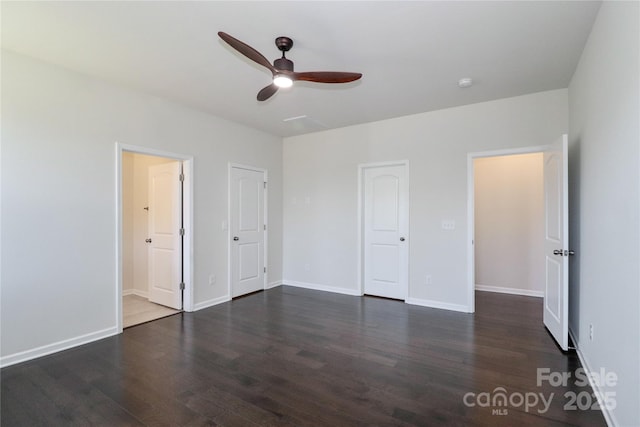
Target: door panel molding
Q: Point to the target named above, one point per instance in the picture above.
(382, 224)
(165, 239)
(556, 246)
(246, 225)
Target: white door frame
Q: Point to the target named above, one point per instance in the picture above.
(361, 169)
(187, 206)
(471, 261)
(265, 176)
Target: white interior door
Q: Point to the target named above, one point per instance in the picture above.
(385, 231)
(247, 225)
(165, 238)
(556, 294)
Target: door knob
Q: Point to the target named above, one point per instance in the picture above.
(557, 252)
(402, 239)
(236, 238)
(148, 240)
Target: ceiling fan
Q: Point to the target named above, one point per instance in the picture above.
(282, 68)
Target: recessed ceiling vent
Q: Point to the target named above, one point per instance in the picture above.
(305, 123)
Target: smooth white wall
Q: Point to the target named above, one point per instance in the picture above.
(509, 224)
(59, 133)
(604, 117)
(320, 189)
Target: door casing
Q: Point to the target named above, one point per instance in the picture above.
(471, 286)
(361, 211)
(265, 242)
(187, 195)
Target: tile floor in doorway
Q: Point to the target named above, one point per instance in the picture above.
(136, 310)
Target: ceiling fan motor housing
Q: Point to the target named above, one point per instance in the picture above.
(283, 64)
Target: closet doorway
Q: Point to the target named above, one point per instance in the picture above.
(154, 242)
(509, 224)
(539, 242)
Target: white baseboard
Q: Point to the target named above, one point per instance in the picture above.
(211, 302)
(142, 294)
(273, 285)
(137, 292)
(45, 350)
(347, 291)
(438, 304)
(319, 287)
(606, 412)
(226, 298)
(512, 291)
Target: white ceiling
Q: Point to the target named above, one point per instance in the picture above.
(411, 53)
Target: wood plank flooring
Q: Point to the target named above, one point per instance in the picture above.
(137, 310)
(296, 357)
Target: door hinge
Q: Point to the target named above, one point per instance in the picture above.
(181, 231)
(265, 269)
(181, 177)
(182, 286)
(265, 184)
(265, 227)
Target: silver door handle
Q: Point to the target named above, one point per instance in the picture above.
(236, 238)
(557, 252)
(148, 240)
(402, 239)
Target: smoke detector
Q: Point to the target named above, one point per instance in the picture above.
(465, 82)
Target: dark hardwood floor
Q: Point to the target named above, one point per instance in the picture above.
(295, 357)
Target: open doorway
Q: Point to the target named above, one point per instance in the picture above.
(154, 235)
(501, 191)
(150, 200)
(554, 215)
(509, 224)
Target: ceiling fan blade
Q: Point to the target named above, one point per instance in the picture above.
(327, 76)
(267, 92)
(247, 51)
